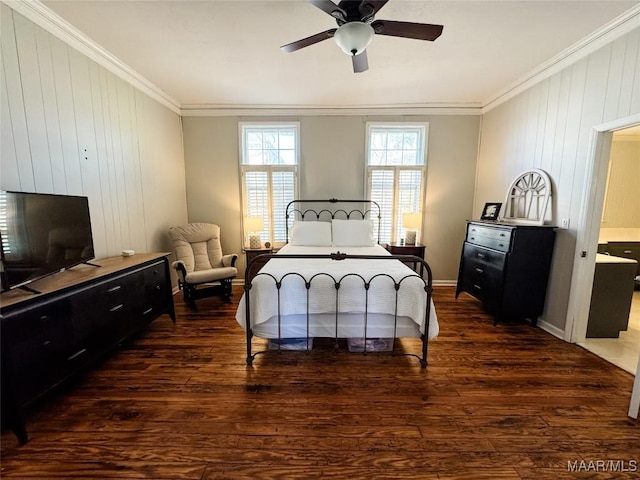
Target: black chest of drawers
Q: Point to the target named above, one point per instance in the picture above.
(78, 317)
(506, 266)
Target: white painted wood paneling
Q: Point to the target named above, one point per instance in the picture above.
(549, 126)
(50, 106)
(71, 127)
(22, 169)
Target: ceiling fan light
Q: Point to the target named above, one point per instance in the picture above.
(354, 37)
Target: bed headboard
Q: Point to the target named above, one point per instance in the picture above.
(327, 210)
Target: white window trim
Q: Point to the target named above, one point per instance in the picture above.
(266, 168)
(396, 168)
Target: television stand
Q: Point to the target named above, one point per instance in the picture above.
(80, 316)
(91, 264)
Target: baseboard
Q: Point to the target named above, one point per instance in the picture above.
(552, 329)
(445, 283)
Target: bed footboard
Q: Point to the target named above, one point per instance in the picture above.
(335, 282)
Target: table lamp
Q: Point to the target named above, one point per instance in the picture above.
(254, 226)
(411, 222)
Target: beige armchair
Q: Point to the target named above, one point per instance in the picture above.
(199, 261)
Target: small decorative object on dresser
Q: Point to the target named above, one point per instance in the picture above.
(490, 211)
(528, 198)
(506, 266)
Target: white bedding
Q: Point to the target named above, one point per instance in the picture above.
(381, 302)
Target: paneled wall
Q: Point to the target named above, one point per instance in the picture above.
(549, 127)
(333, 165)
(71, 127)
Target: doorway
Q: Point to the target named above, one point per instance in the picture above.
(623, 351)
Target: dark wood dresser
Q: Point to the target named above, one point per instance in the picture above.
(78, 316)
(506, 266)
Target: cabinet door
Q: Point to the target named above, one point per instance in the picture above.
(156, 294)
(39, 349)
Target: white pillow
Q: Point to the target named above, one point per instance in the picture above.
(310, 234)
(352, 233)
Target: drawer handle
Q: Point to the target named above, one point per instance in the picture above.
(481, 255)
(44, 318)
(502, 235)
(148, 310)
(46, 343)
(472, 238)
(77, 354)
(477, 287)
(628, 252)
(116, 308)
(114, 289)
(501, 244)
(479, 270)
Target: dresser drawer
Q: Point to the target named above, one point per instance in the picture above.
(491, 237)
(484, 287)
(483, 256)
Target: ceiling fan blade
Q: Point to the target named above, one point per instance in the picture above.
(419, 31)
(305, 42)
(329, 7)
(360, 62)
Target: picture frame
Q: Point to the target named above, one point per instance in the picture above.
(491, 211)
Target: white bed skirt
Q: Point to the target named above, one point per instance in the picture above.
(350, 325)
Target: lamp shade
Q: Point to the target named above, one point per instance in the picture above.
(254, 224)
(411, 220)
(354, 37)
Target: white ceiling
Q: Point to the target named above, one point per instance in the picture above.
(226, 53)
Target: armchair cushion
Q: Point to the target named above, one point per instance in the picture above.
(211, 275)
(197, 245)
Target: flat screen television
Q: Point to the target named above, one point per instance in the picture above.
(42, 234)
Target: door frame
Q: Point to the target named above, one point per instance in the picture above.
(584, 264)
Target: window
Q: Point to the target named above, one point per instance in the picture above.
(396, 173)
(4, 227)
(269, 168)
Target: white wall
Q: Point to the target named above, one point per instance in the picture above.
(69, 126)
(333, 165)
(549, 127)
(622, 205)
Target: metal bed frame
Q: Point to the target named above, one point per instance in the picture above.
(260, 260)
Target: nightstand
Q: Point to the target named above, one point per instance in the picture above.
(417, 250)
(250, 254)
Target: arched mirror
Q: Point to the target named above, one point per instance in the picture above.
(528, 198)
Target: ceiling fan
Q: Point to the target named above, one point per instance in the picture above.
(357, 26)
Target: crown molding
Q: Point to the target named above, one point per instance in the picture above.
(616, 28)
(44, 17)
(301, 111)
(47, 19)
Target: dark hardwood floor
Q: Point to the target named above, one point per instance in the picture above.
(505, 402)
